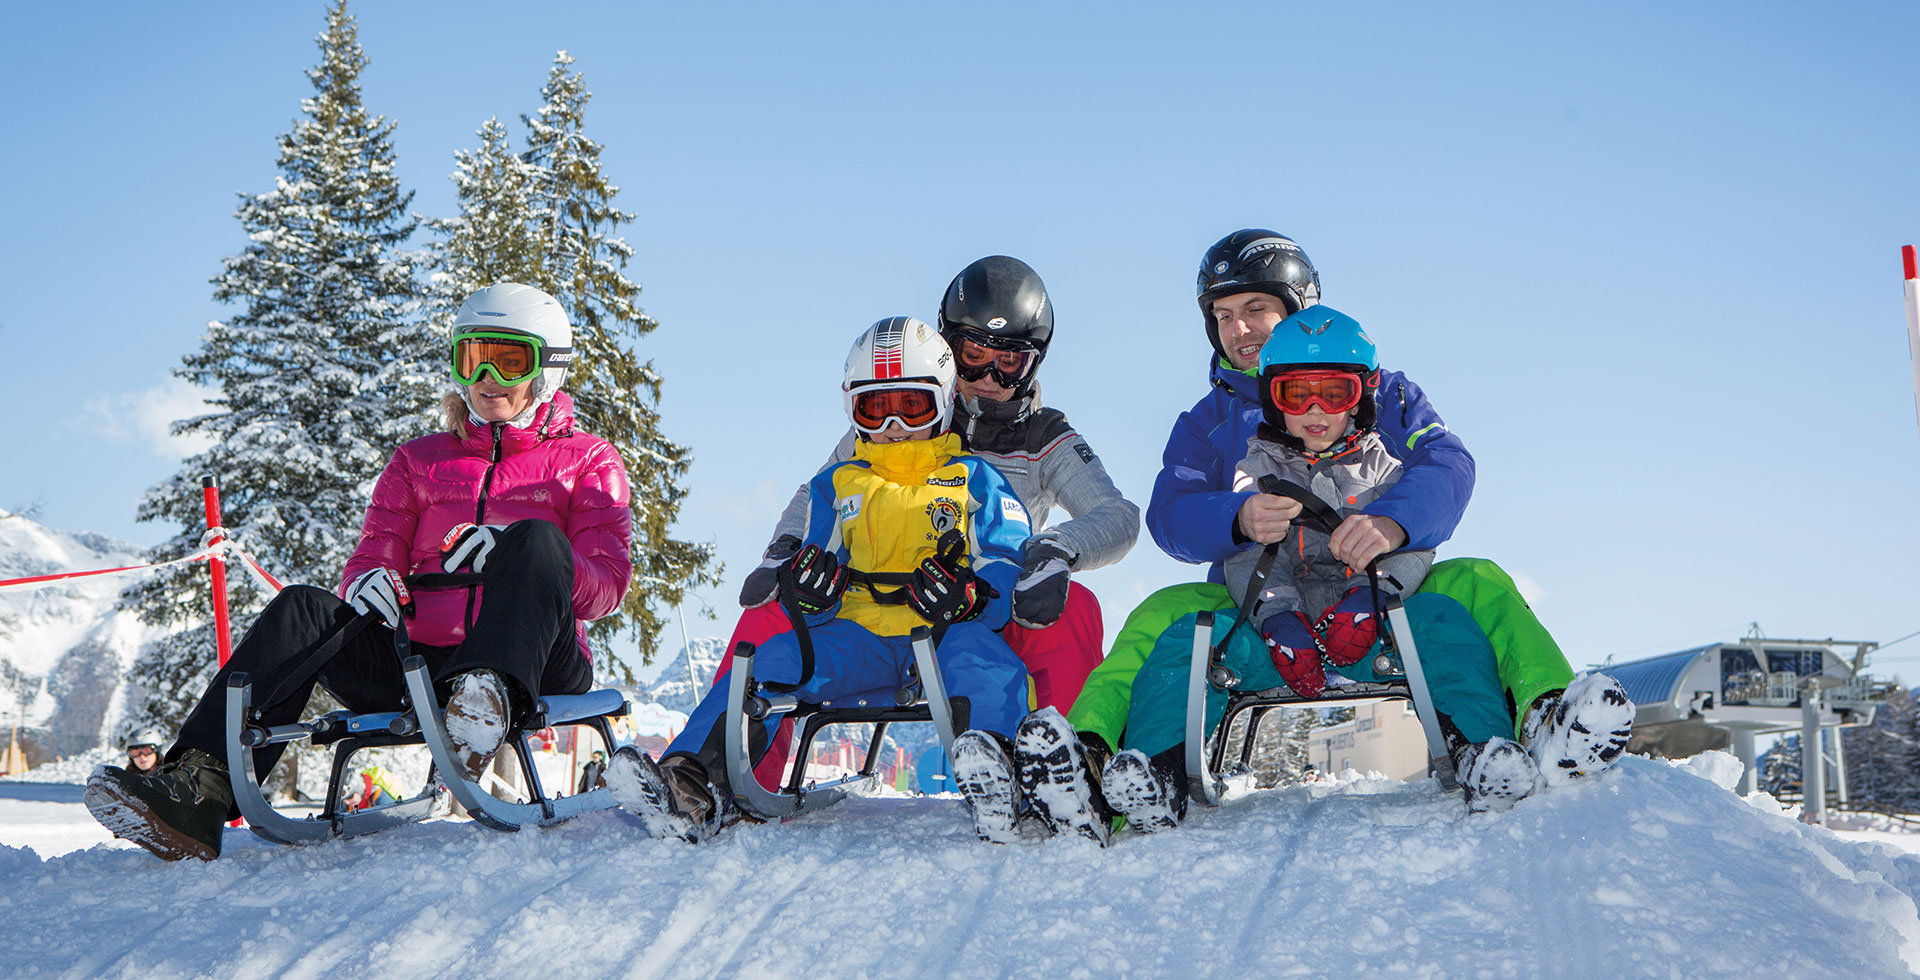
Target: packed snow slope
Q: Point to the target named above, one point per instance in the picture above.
(1650, 871)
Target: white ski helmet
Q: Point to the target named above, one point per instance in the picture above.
(900, 352)
(146, 736)
(513, 308)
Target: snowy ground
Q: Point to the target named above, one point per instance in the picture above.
(1651, 871)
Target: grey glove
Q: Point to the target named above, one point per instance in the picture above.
(764, 581)
(1040, 594)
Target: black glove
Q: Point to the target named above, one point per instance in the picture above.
(944, 589)
(763, 583)
(1040, 596)
(818, 579)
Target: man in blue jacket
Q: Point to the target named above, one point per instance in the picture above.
(1249, 281)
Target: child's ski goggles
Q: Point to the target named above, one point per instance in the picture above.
(915, 407)
(1334, 391)
(510, 357)
(975, 356)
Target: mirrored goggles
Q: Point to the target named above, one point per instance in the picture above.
(510, 357)
(1295, 392)
(1010, 365)
(914, 408)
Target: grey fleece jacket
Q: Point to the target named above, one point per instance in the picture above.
(1305, 576)
(1048, 464)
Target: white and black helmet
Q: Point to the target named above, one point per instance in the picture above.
(900, 352)
(510, 307)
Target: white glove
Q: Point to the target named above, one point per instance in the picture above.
(469, 543)
(380, 590)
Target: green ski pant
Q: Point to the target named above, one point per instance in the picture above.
(1528, 662)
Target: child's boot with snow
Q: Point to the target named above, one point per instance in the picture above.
(1496, 774)
(1148, 792)
(983, 772)
(671, 798)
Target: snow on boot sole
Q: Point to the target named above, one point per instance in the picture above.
(984, 775)
(476, 721)
(1586, 732)
(1499, 774)
(1053, 776)
(636, 784)
(129, 818)
(1134, 790)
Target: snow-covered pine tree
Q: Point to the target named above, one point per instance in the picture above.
(494, 237)
(547, 219)
(1883, 759)
(322, 371)
(1780, 768)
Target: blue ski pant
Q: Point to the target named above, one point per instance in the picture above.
(985, 680)
(1462, 674)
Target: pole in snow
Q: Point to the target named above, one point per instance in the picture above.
(217, 567)
(1913, 323)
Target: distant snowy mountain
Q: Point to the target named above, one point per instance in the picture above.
(1649, 871)
(675, 688)
(64, 649)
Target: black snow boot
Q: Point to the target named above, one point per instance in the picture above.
(1060, 776)
(176, 811)
(672, 797)
(1148, 792)
(1496, 774)
(983, 772)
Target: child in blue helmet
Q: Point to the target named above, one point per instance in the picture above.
(1313, 623)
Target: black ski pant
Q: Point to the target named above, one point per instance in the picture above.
(524, 630)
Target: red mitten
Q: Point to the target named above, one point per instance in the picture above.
(1348, 628)
(1295, 652)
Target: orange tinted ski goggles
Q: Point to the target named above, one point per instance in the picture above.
(1296, 392)
(510, 357)
(913, 408)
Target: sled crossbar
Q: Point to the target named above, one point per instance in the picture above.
(349, 732)
(924, 700)
(1211, 781)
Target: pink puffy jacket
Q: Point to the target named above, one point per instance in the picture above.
(497, 474)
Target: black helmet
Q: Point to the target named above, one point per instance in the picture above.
(999, 302)
(1255, 260)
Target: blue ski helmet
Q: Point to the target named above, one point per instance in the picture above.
(1318, 335)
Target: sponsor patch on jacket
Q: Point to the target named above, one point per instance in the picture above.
(849, 507)
(947, 481)
(1012, 511)
(1086, 454)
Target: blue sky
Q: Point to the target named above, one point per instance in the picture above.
(1643, 257)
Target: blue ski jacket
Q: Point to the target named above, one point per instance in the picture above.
(1191, 515)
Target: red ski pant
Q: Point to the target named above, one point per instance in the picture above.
(1058, 659)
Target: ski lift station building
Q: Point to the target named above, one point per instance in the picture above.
(1722, 695)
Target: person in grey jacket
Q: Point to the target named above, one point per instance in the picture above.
(998, 319)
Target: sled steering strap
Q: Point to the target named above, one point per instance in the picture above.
(1314, 514)
(316, 656)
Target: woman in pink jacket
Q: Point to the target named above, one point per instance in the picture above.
(513, 493)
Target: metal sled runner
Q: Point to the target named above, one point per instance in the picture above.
(924, 699)
(420, 722)
(1210, 780)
